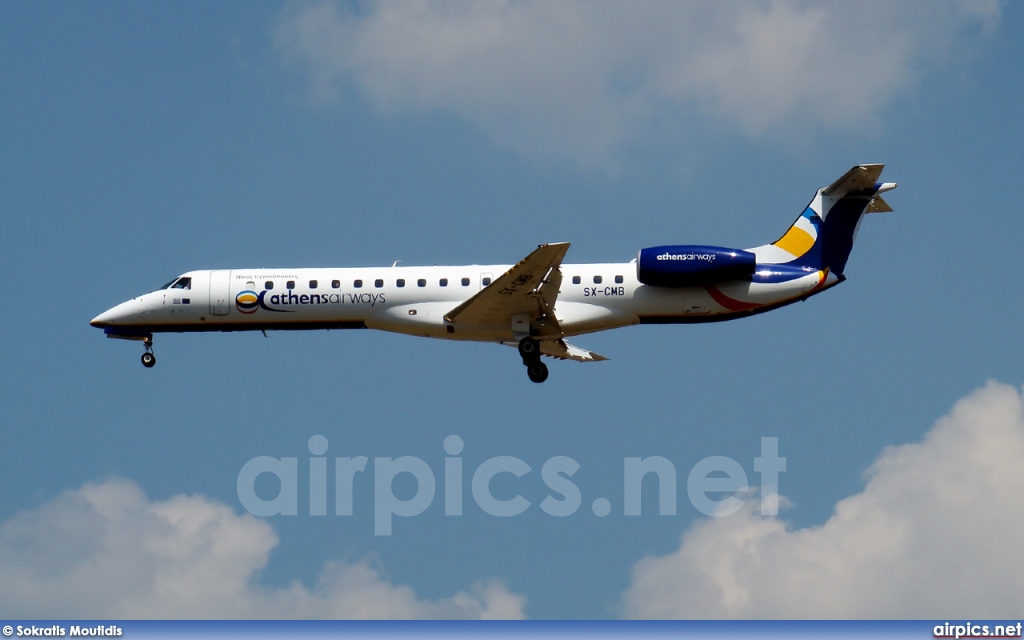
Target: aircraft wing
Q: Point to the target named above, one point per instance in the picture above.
(530, 287)
(565, 351)
(559, 348)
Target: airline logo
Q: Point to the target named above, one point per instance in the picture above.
(705, 257)
(249, 301)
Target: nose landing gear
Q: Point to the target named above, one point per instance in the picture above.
(529, 350)
(148, 359)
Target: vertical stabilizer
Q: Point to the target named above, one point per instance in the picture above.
(822, 237)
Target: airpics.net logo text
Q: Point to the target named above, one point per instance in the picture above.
(714, 486)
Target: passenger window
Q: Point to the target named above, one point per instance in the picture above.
(618, 279)
(312, 284)
(358, 284)
(421, 282)
(268, 284)
(401, 282)
(487, 281)
(335, 284)
(378, 283)
(443, 282)
(576, 280)
(465, 282)
(290, 284)
(597, 279)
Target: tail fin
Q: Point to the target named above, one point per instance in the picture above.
(823, 235)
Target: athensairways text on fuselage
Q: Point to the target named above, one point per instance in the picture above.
(249, 301)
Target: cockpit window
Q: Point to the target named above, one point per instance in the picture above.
(178, 283)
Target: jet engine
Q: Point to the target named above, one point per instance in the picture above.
(692, 265)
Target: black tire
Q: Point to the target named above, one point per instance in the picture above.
(148, 360)
(529, 349)
(538, 372)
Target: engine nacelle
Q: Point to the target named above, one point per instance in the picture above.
(692, 265)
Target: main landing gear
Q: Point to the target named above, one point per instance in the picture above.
(529, 349)
(148, 359)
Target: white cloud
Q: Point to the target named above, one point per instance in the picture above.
(584, 78)
(935, 534)
(106, 551)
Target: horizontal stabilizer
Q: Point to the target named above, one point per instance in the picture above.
(863, 176)
(878, 205)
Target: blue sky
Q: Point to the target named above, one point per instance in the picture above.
(140, 141)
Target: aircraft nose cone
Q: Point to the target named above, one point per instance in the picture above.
(101, 320)
(116, 315)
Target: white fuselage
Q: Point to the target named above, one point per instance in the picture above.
(415, 300)
(534, 304)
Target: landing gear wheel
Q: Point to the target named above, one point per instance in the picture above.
(148, 360)
(529, 349)
(538, 372)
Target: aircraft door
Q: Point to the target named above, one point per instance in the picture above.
(219, 294)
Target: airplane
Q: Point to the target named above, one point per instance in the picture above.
(535, 304)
